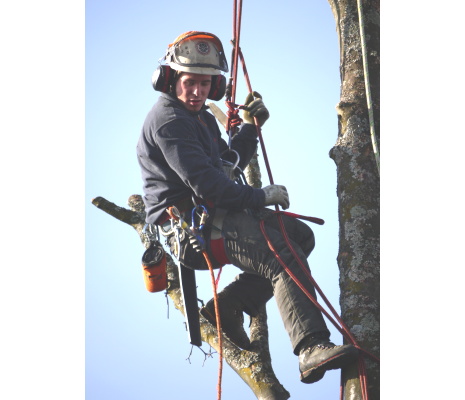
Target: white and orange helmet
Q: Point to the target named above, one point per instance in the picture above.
(198, 53)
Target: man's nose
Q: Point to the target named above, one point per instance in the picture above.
(197, 90)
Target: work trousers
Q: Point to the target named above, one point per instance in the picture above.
(247, 249)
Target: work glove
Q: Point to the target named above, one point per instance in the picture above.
(276, 194)
(255, 108)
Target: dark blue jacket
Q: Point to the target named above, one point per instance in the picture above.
(179, 155)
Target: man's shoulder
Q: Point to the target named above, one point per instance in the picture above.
(166, 111)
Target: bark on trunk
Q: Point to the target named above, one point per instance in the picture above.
(358, 187)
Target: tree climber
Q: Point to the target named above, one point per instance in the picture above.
(184, 163)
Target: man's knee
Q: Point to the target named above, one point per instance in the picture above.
(309, 242)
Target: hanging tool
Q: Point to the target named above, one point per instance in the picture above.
(187, 282)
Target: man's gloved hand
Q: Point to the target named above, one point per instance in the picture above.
(255, 108)
(276, 194)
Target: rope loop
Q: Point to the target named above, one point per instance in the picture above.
(234, 120)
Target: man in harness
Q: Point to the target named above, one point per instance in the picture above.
(184, 163)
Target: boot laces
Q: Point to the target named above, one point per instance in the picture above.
(324, 346)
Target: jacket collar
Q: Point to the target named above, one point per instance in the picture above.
(175, 103)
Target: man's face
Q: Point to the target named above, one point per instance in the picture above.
(192, 90)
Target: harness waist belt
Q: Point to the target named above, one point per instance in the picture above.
(216, 238)
(218, 251)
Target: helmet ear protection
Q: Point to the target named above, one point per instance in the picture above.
(164, 77)
(218, 88)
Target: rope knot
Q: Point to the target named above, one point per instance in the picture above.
(233, 115)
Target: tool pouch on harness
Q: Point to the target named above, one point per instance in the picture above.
(154, 267)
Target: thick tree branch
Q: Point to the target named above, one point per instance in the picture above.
(133, 217)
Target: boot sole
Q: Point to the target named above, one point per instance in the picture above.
(208, 316)
(314, 374)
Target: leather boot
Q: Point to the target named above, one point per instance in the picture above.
(231, 316)
(315, 360)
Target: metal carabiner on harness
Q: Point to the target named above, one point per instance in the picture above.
(177, 236)
(181, 224)
(203, 218)
(200, 242)
(150, 234)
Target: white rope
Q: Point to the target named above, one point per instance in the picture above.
(367, 84)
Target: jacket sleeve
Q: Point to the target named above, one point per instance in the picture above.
(187, 156)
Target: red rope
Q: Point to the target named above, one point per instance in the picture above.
(218, 322)
(237, 16)
(233, 115)
(217, 280)
(315, 220)
(341, 327)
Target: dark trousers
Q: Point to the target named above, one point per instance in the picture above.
(247, 249)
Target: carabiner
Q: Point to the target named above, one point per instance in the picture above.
(203, 217)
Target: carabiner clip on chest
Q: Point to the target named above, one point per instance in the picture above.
(237, 173)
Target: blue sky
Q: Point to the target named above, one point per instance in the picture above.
(76, 87)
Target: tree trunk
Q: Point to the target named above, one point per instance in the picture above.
(358, 186)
